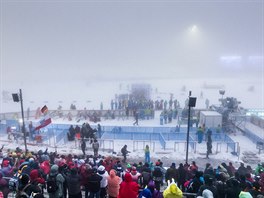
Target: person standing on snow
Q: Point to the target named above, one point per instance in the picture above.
(147, 154)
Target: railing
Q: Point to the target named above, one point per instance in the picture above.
(162, 141)
(104, 144)
(141, 144)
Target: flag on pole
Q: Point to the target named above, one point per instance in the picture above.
(44, 109)
(44, 122)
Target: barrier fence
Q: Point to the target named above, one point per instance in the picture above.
(57, 133)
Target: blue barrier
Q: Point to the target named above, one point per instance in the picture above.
(161, 134)
(162, 141)
(230, 143)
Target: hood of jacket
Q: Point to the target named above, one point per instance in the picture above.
(128, 177)
(54, 170)
(34, 174)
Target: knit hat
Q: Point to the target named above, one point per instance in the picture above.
(54, 170)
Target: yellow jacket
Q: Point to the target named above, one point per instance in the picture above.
(172, 191)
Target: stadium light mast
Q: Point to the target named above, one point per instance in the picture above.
(17, 98)
(191, 103)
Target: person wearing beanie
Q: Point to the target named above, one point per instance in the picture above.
(113, 184)
(54, 172)
(103, 184)
(128, 188)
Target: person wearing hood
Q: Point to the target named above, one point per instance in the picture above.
(73, 184)
(206, 194)
(244, 194)
(45, 167)
(154, 192)
(128, 188)
(146, 193)
(36, 179)
(54, 172)
(208, 184)
(103, 184)
(172, 191)
(113, 184)
(94, 184)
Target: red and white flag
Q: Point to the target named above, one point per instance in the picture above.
(44, 122)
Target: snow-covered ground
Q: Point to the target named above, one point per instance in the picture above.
(176, 152)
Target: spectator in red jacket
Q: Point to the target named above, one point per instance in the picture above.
(128, 188)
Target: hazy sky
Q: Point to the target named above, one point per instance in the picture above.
(85, 40)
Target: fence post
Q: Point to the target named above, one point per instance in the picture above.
(218, 144)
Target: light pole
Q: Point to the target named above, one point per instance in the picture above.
(191, 103)
(17, 98)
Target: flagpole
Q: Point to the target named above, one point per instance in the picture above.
(23, 120)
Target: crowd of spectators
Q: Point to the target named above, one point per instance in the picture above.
(54, 175)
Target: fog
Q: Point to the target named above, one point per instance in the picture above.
(70, 50)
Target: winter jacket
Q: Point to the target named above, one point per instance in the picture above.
(244, 194)
(261, 182)
(59, 179)
(171, 173)
(128, 188)
(172, 191)
(35, 177)
(73, 181)
(145, 193)
(94, 181)
(104, 174)
(113, 184)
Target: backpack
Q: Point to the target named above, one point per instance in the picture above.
(14, 181)
(52, 184)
